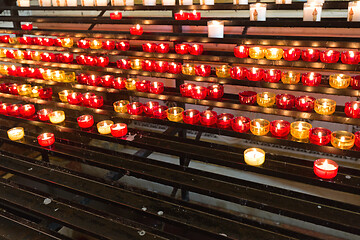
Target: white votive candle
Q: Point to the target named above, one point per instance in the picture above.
(215, 29)
(168, 2)
(87, 3)
(240, 2)
(45, 3)
(149, 2)
(354, 12)
(254, 156)
(312, 12)
(186, 2)
(258, 12)
(207, 2)
(100, 3)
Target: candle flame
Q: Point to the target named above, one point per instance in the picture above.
(137, 26)
(278, 126)
(194, 12)
(329, 53)
(342, 139)
(266, 97)
(291, 51)
(300, 127)
(181, 12)
(191, 114)
(351, 53)
(311, 51)
(257, 125)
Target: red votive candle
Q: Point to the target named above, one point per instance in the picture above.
(319, 136)
(143, 86)
(216, 91)
(118, 129)
(74, 98)
(355, 82)
(325, 168)
(66, 58)
(13, 88)
(149, 107)
(247, 97)
(58, 42)
(4, 108)
(238, 73)
(108, 45)
(116, 15)
(107, 80)
(311, 79)
(14, 109)
(196, 49)
(149, 47)
(102, 61)
(175, 68)
(182, 48)
(224, 120)
(194, 15)
(43, 114)
(10, 53)
(123, 45)
(310, 55)
(203, 70)
(93, 80)
(45, 93)
(285, 101)
(350, 57)
(191, 116)
(46, 139)
(85, 121)
(305, 103)
(4, 87)
(22, 72)
(90, 60)
(199, 92)
(163, 48)
(241, 51)
(159, 112)
(135, 108)
(161, 66)
(208, 118)
(86, 98)
(156, 87)
(352, 109)
(80, 59)
(181, 16)
(280, 128)
(255, 74)
(123, 63)
(27, 55)
(26, 40)
(329, 56)
(357, 139)
(48, 42)
(48, 57)
(241, 124)
(148, 65)
(82, 78)
(292, 54)
(119, 83)
(4, 38)
(83, 43)
(272, 75)
(96, 101)
(136, 30)
(185, 89)
(27, 110)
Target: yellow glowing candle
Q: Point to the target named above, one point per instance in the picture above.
(223, 71)
(254, 156)
(265, 99)
(35, 55)
(121, 106)
(58, 76)
(130, 83)
(300, 130)
(95, 44)
(259, 126)
(339, 80)
(19, 54)
(46, 74)
(274, 53)
(175, 114)
(69, 77)
(13, 40)
(257, 52)
(290, 77)
(35, 91)
(325, 106)
(136, 64)
(57, 116)
(4, 69)
(3, 52)
(104, 126)
(63, 95)
(24, 89)
(67, 42)
(342, 139)
(188, 69)
(15, 133)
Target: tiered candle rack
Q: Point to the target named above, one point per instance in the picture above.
(142, 206)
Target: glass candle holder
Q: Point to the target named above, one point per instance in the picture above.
(329, 56)
(265, 99)
(4, 108)
(300, 130)
(83, 43)
(208, 118)
(310, 55)
(216, 91)
(45, 93)
(67, 42)
(148, 65)
(13, 89)
(241, 51)
(290, 77)
(272, 75)
(311, 79)
(339, 81)
(160, 112)
(305, 103)
(163, 48)
(196, 49)
(136, 64)
(95, 44)
(257, 52)
(135, 108)
(279, 128)
(149, 107)
(238, 73)
(259, 127)
(203, 70)
(93, 80)
(350, 57)
(27, 110)
(47, 74)
(46, 139)
(175, 68)
(18, 54)
(254, 156)
(14, 109)
(188, 69)
(355, 82)
(241, 124)
(357, 139)
(223, 71)
(149, 47)
(186, 89)
(24, 89)
(15, 133)
(85, 121)
(58, 76)
(352, 109)
(123, 46)
(136, 30)
(35, 91)
(161, 66)
(342, 139)
(156, 87)
(64, 94)
(224, 120)
(107, 80)
(43, 114)
(57, 117)
(75, 98)
(118, 129)
(247, 97)
(292, 54)
(119, 83)
(191, 116)
(96, 101)
(325, 106)
(255, 74)
(285, 101)
(199, 92)
(142, 86)
(319, 136)
(103, 127)
(108, 44)
(175, 114)
(274, 53)
(121, 106)
(130, 83)
(325, 168)
(182, 48)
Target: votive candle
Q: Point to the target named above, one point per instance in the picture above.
(121, 106)
(259, 126)
(325, 106)
(319, 136)
(342, 139)
(325, 168)
(300, 130)
(103, 127)
(265, 99)
(57, 117)
(16, 133)
(175, 114)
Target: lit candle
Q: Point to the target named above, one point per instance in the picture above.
(305, 103)
(353, 12)
(161, 66)
(274, 53)
(339, 80)
(292, 54)
(123, 63)
(257, 52)
(312, 12)
(142, 86)
(14, 109)
(300, 130)
(67, 42)
(191, 116)
(329, 56)
(149, 2)
(163, 48)
(224, 120)
(135, 108)
(325, 168)
(160, 112)
(265, 99)
(57, 117)
(149, 47)
(58, 76)
(175, 114)
(136, 64)
(196, 49)
(216, 91)
(319, 136)
(27, 110)
(15, 133)
(104, 126)
(325, 106)
(255, 74)
(259, 126)
(238, 72)
(342, 139)
(75, 98)
(182, 48)
(215, 29)
(207, 2)
(199, 92)
(137, 30)
(241, 51)
(46, 139)
(272, 75)
(24, 89)
(45, 93)
(194, 15)
(254, 156)
(64, 94)
(310, 55)
(43, 114)
(185, 89)
(285, 101)
(181, 15)
(156, 87)
(35, 91)
(311, 79)
(280, 128)
(290, 77)
(258, 12)
(121, 106)
(131, 83)
(188, 69)
(96, 101)
(108, 45)
(223, 71)
(150, 106)
(123, 45)
(352, 109)
(116, 15)
(85, 121)
(118, 129)
(350, 57)
(95, 44)
(241, 124)
(208, 118)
